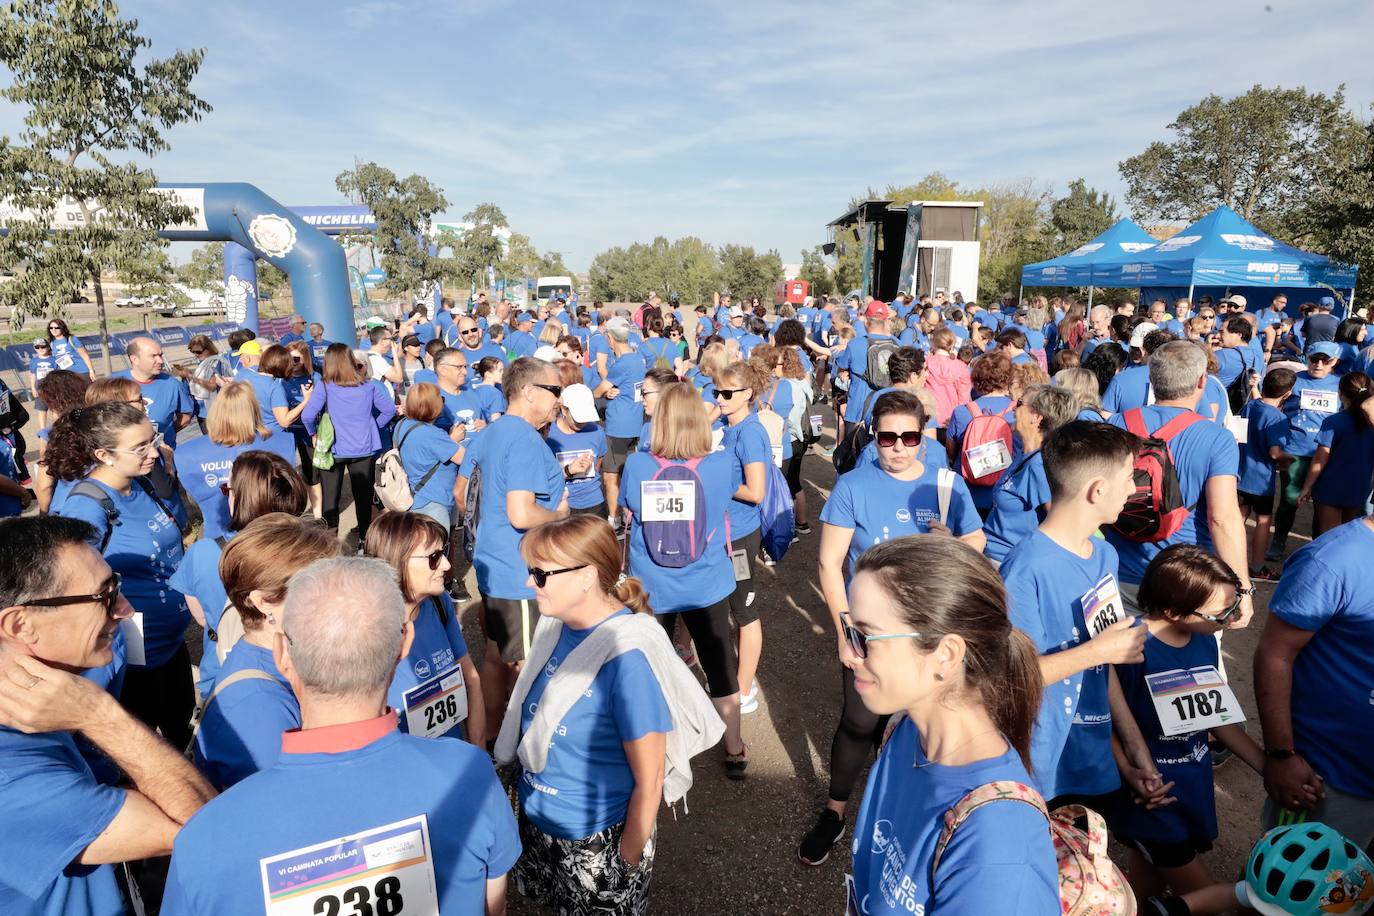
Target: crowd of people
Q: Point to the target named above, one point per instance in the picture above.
(1044, 520)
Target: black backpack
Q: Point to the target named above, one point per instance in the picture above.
(13, 415)
(91, 490)
(848, 449)
(879, 353)
(472, 510)
(1238, 392)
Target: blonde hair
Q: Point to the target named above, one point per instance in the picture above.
(235, 417)
(680, 429)
(582, 539)
(743, 374)
(1082, 384)
(712, 360)
(105, 390)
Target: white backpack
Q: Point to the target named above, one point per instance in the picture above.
(774, 424)
(392, 484)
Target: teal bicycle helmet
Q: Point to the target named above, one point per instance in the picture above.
(1303, 869)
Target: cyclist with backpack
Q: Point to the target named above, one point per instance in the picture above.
(679, 544)
(106, 449)
(1182, 462)
(896, 496)
(1022, 499)
(748, 444)
(979, 439)
(259, 482)
(940, 652)
(251, 703)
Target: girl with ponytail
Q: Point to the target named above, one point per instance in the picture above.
(941, 650)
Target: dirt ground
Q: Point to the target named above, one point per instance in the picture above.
(731, 848)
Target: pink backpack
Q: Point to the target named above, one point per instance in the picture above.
(1090, 884)
(986, 450)
(947, 379)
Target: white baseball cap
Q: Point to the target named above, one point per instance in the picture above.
(547, 353)
(580, 403)
(1139, 334)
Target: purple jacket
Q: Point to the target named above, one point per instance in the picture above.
(356, 412)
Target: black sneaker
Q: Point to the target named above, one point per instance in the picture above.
(458, 591)
(803, 528)
(736, 764)
(816, 845)
(1220, 753)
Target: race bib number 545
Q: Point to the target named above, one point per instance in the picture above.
(668, 500)
(386, 871)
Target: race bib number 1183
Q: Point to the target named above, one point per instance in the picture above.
(385, 871)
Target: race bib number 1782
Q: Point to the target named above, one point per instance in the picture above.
(387, 871)
(1193, 700)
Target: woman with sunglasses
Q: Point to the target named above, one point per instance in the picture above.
(258, 484)
(107, 450)
(436, 689)
(1315, 397)
(1022, 499)
(896, 496)
(68, 351)
(939, 654)
(1187, 596)
(588, 814)
(697, 591)
(250, 703)
(41, 364)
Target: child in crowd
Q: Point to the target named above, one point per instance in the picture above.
(1338, 479)
(1187, 595)
(1261, 454)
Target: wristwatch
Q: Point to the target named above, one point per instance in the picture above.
(1246, 592)
(1279, 753)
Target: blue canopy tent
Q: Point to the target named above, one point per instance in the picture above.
(1076, 268)
(1224, 251)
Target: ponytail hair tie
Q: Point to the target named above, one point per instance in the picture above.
(75, 413)
(621, 580)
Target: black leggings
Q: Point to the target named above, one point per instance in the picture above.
(858, 734)
(743, 598)
(793, 473)
(710, 629)
(163, 698)
(305, 450)
(361, 475)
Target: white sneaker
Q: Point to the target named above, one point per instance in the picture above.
(749, 702)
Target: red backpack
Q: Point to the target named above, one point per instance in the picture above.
(986, 451)
(1155, 511)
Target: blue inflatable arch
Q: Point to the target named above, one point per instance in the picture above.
(241, 214)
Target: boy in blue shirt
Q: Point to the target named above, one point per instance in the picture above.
(1063, 593)
(1261, 452)
(1314, 398)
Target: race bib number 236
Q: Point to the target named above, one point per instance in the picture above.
(385, 871)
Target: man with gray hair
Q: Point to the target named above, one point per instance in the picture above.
(355, 813)
(1205, 461)
(1099, 330)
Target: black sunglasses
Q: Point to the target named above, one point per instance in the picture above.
(555, 390)
(42, 346)
(1224, 615)
(108, 596)
(910, 438)
(434, 558)
(729, 393)
(471, 331)
(541, 576)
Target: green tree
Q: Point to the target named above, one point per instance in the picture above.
(405, 208)
(816, 272)
(1079, 216)
(1259, 153)
(1338, 218)
(935, 186)
(744, 273)
(550, 264)
(479, 246)
(205, 268)
(74, 70)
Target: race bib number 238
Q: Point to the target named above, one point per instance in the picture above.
(385, 871)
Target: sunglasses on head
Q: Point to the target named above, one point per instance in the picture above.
(434, 557)
(910, 438)
(541, 576)
(728, 393)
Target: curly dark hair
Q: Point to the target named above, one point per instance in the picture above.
(1105, 362)
(76, 436)
(62, 390)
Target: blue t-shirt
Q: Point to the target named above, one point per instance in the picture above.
(1345, 478)
(1045, 588)
(625, 412)
(747, 441)
(1001, 853)
(586, 784)
(1017, 505)
(434, 655)
(1183, 760)
(163, 398)
(959, 420)
(473, 354)
(198, 577)
(202, 466)
(586, 491)
(1215, 403)
(41, 367)
(145, 549)
(426, 448)
(658, 348)
(492, 399)
(317, 350)
(501, 571)
(1128, 388)
(1266, 426)
(521, 343)
(1305, 422)
(854, 357)
(1232, 361)
(878, 507)
(10, 506)
(779, 399)
(711, 577)
(66, 355)
(307, 799)
(295, 390)
(270, 394)
(1325, 590)
(241, 730)
(1200, 452)
(465, 407)
(51, 809)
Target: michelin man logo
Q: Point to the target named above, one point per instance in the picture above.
(272, 234)
(236, 292)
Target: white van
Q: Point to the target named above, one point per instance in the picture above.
(545, 288)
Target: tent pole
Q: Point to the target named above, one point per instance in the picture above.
(1090, 297)
(1350, 304)
(1020, 293)
(1190, 296)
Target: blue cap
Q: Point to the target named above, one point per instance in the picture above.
(1327, 302)
(1325, 348)
(523, 317)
